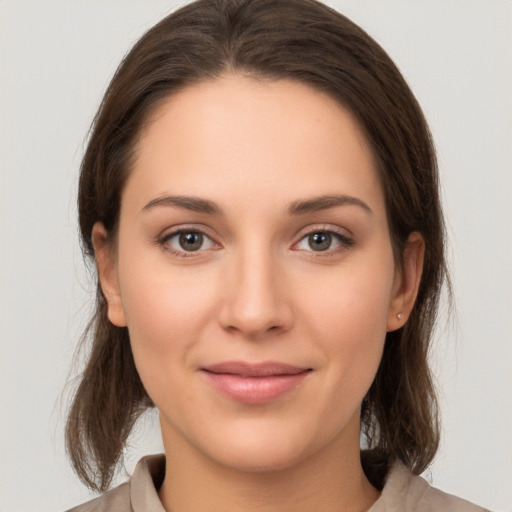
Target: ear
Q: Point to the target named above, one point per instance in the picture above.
(107, 273)
(407, 282)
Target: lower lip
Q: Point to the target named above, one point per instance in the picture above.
(255, 390)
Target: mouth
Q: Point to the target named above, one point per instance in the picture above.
(255, 383)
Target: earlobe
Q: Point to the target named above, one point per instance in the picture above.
(407, 282)
(107, 274)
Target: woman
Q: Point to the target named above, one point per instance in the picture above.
(260, 196)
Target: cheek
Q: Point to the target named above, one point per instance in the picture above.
(166, 309)
(349, 315)
(354, 300)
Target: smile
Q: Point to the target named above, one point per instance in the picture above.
(254, 383)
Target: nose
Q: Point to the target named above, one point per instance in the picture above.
(255, 302)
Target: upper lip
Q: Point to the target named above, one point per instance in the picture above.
(263, 369)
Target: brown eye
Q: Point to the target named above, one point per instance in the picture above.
(326, 241)
(182, 242)
(320, 241)
(191, 241)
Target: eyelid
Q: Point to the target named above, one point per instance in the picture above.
(346, 240)
(324, 228)
(170, 233)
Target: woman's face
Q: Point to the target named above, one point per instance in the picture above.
(254, 271)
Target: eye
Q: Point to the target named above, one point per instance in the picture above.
(323, 241)
(187, 241)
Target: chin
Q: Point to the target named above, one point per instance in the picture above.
(265, 446)
(259, 459)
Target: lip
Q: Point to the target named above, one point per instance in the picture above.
(255, 383)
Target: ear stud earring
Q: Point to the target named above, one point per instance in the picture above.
(400, 316)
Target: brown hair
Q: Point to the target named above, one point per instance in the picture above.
(300, 40)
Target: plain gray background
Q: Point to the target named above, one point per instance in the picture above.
(56, 58)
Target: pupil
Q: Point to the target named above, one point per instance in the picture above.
(320, 241)
(191, 241)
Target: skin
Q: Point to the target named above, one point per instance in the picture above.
(256, 290)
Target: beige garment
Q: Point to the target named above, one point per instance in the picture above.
(403, 492)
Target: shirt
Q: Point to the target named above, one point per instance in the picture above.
(402, 492)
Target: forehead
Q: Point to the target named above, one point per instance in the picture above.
(237, 137)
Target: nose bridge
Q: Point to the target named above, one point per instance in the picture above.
(254, 302)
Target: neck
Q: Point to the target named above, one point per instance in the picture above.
(330, 481)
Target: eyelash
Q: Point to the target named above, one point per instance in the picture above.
(163, 242)
(344, 241)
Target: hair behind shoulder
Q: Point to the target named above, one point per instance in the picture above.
(305, 41)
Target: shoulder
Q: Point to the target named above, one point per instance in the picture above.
(404, 491)
(139, 494)
(434, 499)
(115, 500)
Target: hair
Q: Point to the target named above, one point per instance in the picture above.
(307, 42)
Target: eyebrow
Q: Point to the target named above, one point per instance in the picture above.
(194, 204)
(298, 207)
(319, 203)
